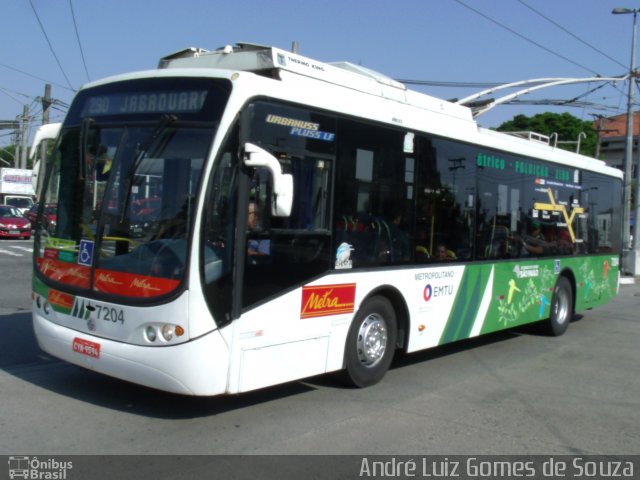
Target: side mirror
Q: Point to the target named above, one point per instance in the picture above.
(255, 156)
(48, 131)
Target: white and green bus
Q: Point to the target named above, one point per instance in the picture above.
(244, 217)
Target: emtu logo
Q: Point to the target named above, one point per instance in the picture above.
(428, 292)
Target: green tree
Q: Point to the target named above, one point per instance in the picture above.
(565, 125)
(6, 154)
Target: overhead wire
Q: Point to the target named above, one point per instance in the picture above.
(406, 81)
(563, 103)
(571, 102)
(518, 34)
(553, 22)
(9, 93)
(36, 77)
(75, 26)
(50, 46)
(574, 101)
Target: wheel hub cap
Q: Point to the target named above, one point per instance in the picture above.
(372, 340)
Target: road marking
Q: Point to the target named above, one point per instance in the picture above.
(9, 252)
(25, 249)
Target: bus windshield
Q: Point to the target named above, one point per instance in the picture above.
(123, 182)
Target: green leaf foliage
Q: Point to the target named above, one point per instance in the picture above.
(7, 154)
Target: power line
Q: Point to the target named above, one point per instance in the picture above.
(50, 46)
(563, 103)
(36, 77)
(572, 34)
(63, 110)
(518, 34)
(589, 92)
(9, 93)
(75, 25)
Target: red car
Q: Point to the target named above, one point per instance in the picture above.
(49, 216)
(13, 224)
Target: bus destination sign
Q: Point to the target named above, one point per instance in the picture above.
(173, 101)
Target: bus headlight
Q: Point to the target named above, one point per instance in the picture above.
(167, 332)
(150, 331)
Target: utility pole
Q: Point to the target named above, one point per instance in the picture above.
(18, 142)
(598, 140)
(635, 248)
(24, 137)
(46, 106)
(628, 263)
(599, 131)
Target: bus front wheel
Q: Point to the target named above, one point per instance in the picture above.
(561, 307)
(370, 343)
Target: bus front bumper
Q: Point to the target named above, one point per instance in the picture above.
(197, 367)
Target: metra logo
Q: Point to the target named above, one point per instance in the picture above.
(60, 299)
(107, 278)
(436, 291)
(58, 270)
(327, 300)
(48, 268)
(143, 284)
(76, 272)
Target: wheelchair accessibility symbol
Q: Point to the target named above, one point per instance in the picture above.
(85, 255)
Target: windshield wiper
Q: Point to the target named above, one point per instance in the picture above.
(165, 122)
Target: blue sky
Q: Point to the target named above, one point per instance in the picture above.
(433, 40)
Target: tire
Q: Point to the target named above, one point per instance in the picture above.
(561, 308)
(370, 343)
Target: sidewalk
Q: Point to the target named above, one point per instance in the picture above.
(629, 280)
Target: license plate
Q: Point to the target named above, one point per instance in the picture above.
(86, 347)
(14, 232)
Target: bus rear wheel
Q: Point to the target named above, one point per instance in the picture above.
(561, 308)
(370, 343)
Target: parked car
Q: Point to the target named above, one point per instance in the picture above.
(13, 224)
(49, 217)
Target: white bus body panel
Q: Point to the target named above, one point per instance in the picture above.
(272, 343)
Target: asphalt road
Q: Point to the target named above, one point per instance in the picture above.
(509, 393)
